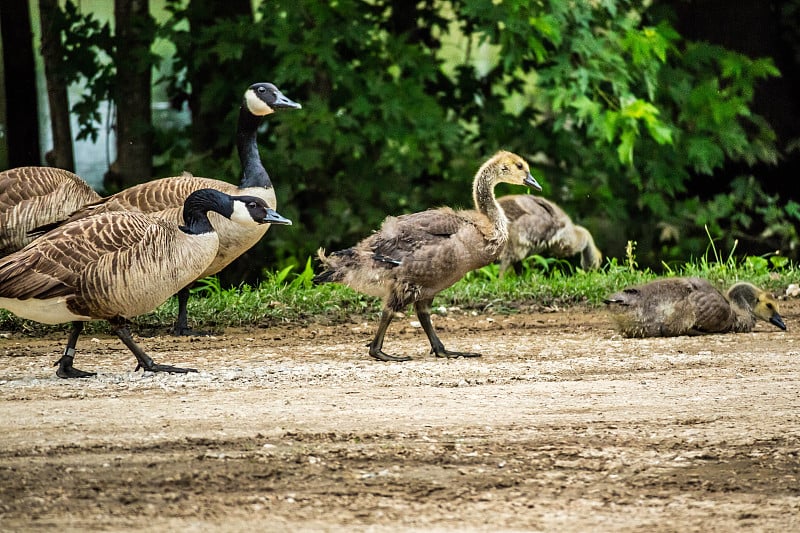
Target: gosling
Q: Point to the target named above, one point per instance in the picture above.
(690, 306)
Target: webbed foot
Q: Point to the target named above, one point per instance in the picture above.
(452, 355)
(67, 371)
(155, 367)
(381, 356)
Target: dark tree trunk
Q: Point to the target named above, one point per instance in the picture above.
(19, 71)
(134, 34)
(207, 120)
(53, 54)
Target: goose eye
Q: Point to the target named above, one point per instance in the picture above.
(262, 90)
(251, 205)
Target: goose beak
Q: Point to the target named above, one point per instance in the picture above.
(776, 320)
(273, 217)
(532, 183)
(282, 102)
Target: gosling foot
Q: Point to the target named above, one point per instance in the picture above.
(452, 355)
(381, 356)
(155, 367)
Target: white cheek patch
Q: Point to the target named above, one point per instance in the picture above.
(256, 105)
(241, 215)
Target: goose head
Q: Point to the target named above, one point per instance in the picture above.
(262, 99)
(245, 210)
(760, 303)
(511, 168)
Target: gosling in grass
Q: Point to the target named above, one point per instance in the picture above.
(690, 306)
(538, 226)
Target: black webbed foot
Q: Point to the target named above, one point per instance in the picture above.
(67, 371)
(381, 356)
(452, 355)
(155, 367)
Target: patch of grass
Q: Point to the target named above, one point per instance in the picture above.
(290, 295)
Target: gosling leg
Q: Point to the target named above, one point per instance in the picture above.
(65, 368)
(423, 309)
(376, 346)
(145, 362)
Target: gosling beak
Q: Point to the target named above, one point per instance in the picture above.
(532, 183)
(282, 102)
(776, 320)
(273, 217)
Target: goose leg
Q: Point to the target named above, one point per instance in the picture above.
(65, 368)
(423, 309)
(145, 362)
(376, 346)
(182, 324)
(182, 328)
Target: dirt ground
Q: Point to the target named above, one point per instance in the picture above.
(561, 426)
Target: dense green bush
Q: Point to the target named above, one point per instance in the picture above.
(620, 116)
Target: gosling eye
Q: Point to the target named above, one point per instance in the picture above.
(519, 165)
(770, 307)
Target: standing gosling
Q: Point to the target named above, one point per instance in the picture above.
(413, 257)
(690, 306)
(34, 196)
(539, 226)
(115, 266)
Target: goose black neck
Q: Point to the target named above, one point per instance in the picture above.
(253, 172)
(197, 206)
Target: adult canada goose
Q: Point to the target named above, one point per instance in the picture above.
(413, 257)
(690, 306)
(115, 266)
(164, 197)
(539, 226)
(34, 196)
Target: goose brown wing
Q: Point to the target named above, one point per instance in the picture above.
(54, 265)
(21, 184)
(154, 197)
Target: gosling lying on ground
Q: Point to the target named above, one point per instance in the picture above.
(690, 306)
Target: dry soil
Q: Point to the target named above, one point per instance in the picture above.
(561, 426)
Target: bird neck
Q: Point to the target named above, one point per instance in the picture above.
(197, 206)
(253, 172)
(485, 203)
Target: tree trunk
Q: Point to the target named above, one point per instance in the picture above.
(133, 97)
(53, 54)
(22, 111)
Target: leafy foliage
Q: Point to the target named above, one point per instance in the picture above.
(620, 115)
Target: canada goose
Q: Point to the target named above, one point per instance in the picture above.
(690, 306)
(413, 257)
(34, 196)
(164, 197)
(114, 266)
(537, 225)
